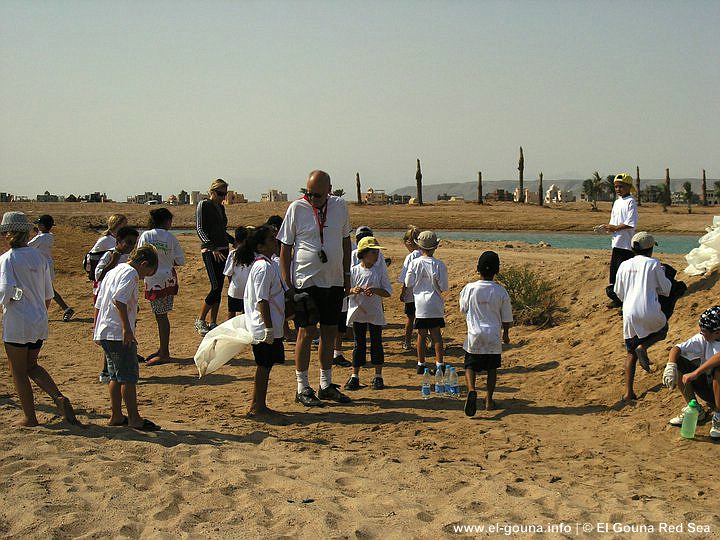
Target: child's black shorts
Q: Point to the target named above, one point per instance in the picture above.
(267, 354)
(481, 362)
(32, 346)
(425, 324)
(410, 309)
(236, 305)
(632, 343)
(702, 386)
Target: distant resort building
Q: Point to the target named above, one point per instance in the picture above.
(399, 199)
(274, 195)
(196, 197)
(6, 197)
(374, 196)
(499, 195)
(96, 197)
(183, 197)
(146, 198)
(234, 197)
(48, 197)
(557, 195)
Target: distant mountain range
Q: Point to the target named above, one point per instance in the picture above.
(468, 190)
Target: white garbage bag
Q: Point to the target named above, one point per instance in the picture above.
(221, 344)
(706, 257)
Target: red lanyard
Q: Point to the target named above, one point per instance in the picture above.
(320, 217)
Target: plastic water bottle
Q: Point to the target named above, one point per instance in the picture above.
(439, 382)
(690, 418)
(426, 382)
(452, 386)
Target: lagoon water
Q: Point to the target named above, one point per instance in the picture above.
(675, 243)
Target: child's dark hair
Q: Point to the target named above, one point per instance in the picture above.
(245, 254)
(125, 232)
(158, 217)
(276, 221)
(144, 254)
(488, 264)
(241, 235)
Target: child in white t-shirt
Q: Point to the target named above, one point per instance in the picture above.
(698, 361)
(428, 278)
(115, 317)
(264, 302)
(162, 287)
(43, 242)
(369, 284)
(25, 294)
(486, 305)
(406, 294)
(237, 272)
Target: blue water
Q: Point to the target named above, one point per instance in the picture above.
(671, 243)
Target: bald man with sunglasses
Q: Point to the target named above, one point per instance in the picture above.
(315, 244)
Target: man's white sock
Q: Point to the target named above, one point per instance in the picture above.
(325, 378)
(337, 353)
(303, 380)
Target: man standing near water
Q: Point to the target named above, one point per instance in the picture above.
(623, 221)
(315, 240)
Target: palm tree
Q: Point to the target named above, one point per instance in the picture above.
(418, 183)
(688, 194)
(593, 187)
(717, 190)
(338, 192)
(610, 185)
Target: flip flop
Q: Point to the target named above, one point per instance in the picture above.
(154, 360)
(123, 423)
(471, 403)
(148, 425)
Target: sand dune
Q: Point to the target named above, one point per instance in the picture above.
(558, 449)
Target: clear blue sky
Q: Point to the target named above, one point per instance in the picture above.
(134, 96)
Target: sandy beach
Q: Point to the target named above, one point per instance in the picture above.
(559, 448)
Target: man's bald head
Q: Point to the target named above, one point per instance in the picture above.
(318, 183)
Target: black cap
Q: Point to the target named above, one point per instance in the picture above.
(45, 220)
(488, 263)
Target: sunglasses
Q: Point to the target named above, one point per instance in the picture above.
(220, 193)
(315, 195)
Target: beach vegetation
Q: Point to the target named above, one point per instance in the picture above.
(593, 188)
(533, 298)
(688, 195)
(610, 186)
(338, 192)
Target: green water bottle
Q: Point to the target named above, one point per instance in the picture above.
(690, 418)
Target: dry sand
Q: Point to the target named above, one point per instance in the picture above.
(558, 449)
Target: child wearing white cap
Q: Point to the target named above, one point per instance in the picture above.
(638, 283)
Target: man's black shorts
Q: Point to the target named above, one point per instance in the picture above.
(702, 386)
(328, 301)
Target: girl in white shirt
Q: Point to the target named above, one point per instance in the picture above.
(162, 287)
(264, 302)
(25, 294)
(369, 284)
(406, 294)
(104, 244)
(237, 272)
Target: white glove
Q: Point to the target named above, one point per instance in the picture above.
(268, 336)
(670, 375)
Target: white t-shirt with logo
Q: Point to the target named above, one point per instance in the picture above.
(119, 284)
(104, 243)
(301, 230)
(428, 277)
(170, 254)
(408, 296)
(25, 320)
(264, 283)
(238, 274)
(368, 309)
(639, 281)
(624, 212)
(486, 305)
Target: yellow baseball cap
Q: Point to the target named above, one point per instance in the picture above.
(369, 242)
(625, 178)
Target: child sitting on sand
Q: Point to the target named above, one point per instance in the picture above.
(25, 294)
(237, 272)
(406, 294)
(428, 278)
(115, 316)
(486, 305)
(638, 282)
(43, 241)
(369, 284)
(264, 303)
(698, 360)
(162, 287)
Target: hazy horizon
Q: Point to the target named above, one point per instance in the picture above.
(161, 96)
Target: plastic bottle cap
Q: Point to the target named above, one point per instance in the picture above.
(693, 404)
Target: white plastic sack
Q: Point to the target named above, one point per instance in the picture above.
(221, 344)
(706, 257)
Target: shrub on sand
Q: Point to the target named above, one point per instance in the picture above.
(532, 298)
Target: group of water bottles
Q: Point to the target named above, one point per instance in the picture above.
(446, 383)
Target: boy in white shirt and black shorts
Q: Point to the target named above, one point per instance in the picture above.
(486, 305)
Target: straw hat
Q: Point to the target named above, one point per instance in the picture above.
(15, 222)
(427, 240)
